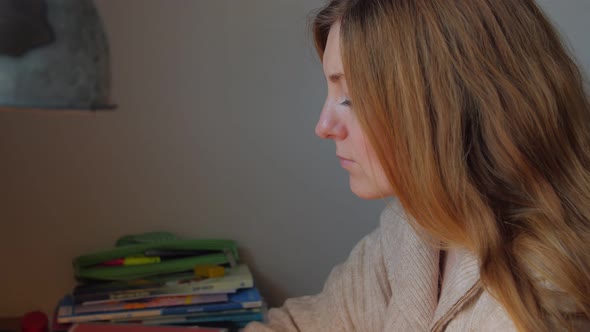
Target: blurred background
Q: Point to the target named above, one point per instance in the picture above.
(213, 137)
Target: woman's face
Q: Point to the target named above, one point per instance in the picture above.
(339, 123)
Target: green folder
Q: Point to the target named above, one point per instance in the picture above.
(87, 267)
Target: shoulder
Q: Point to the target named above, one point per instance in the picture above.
(485, 313)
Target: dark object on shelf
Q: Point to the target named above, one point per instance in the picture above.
(53, 55)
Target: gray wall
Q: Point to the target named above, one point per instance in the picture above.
(572, 19)
(213, 138)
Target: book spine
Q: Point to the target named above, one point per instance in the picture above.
(230, 317)
(150, 303)
(169, 311)
(109, 316)
(113, 296)
(170, 290)
(184, 310)
(207, 288)
(233, 318)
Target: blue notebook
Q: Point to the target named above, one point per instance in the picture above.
(242, 299)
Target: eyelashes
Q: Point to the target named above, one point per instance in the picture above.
(346, 103)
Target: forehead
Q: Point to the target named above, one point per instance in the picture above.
(332, 61)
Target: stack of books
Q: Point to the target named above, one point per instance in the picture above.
(226, 299)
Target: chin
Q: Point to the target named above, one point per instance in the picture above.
(368, 196)
(370, 189)
(366, 193)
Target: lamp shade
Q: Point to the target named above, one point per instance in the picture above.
(54, 54)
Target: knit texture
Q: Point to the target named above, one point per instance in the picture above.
(390, 283)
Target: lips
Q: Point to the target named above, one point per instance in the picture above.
(345, 162)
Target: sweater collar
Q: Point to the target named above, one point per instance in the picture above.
(414, 276)
(461, 285)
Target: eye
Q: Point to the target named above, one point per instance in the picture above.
(346, 103)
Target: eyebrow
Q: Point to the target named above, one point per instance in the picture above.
(335, 77)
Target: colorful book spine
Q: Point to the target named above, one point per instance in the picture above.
(137, 328)
(157, 302)
(235, 316)
(243, 299)
(164, 320)
(235, 278)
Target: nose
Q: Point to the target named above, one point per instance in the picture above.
(330, 125)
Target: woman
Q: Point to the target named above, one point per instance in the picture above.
(473, 115)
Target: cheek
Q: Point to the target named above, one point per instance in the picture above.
(366, 153)
(372, 165)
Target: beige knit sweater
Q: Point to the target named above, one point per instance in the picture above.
(390, 283)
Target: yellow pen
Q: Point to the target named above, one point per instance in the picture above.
(140, 260)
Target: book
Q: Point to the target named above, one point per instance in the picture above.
(239, 316)
(242, 299)
(167, 285)
(137, 328)
(57, 327)
(154, 302)
(245, 317)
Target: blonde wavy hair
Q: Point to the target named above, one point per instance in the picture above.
(479, 118)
